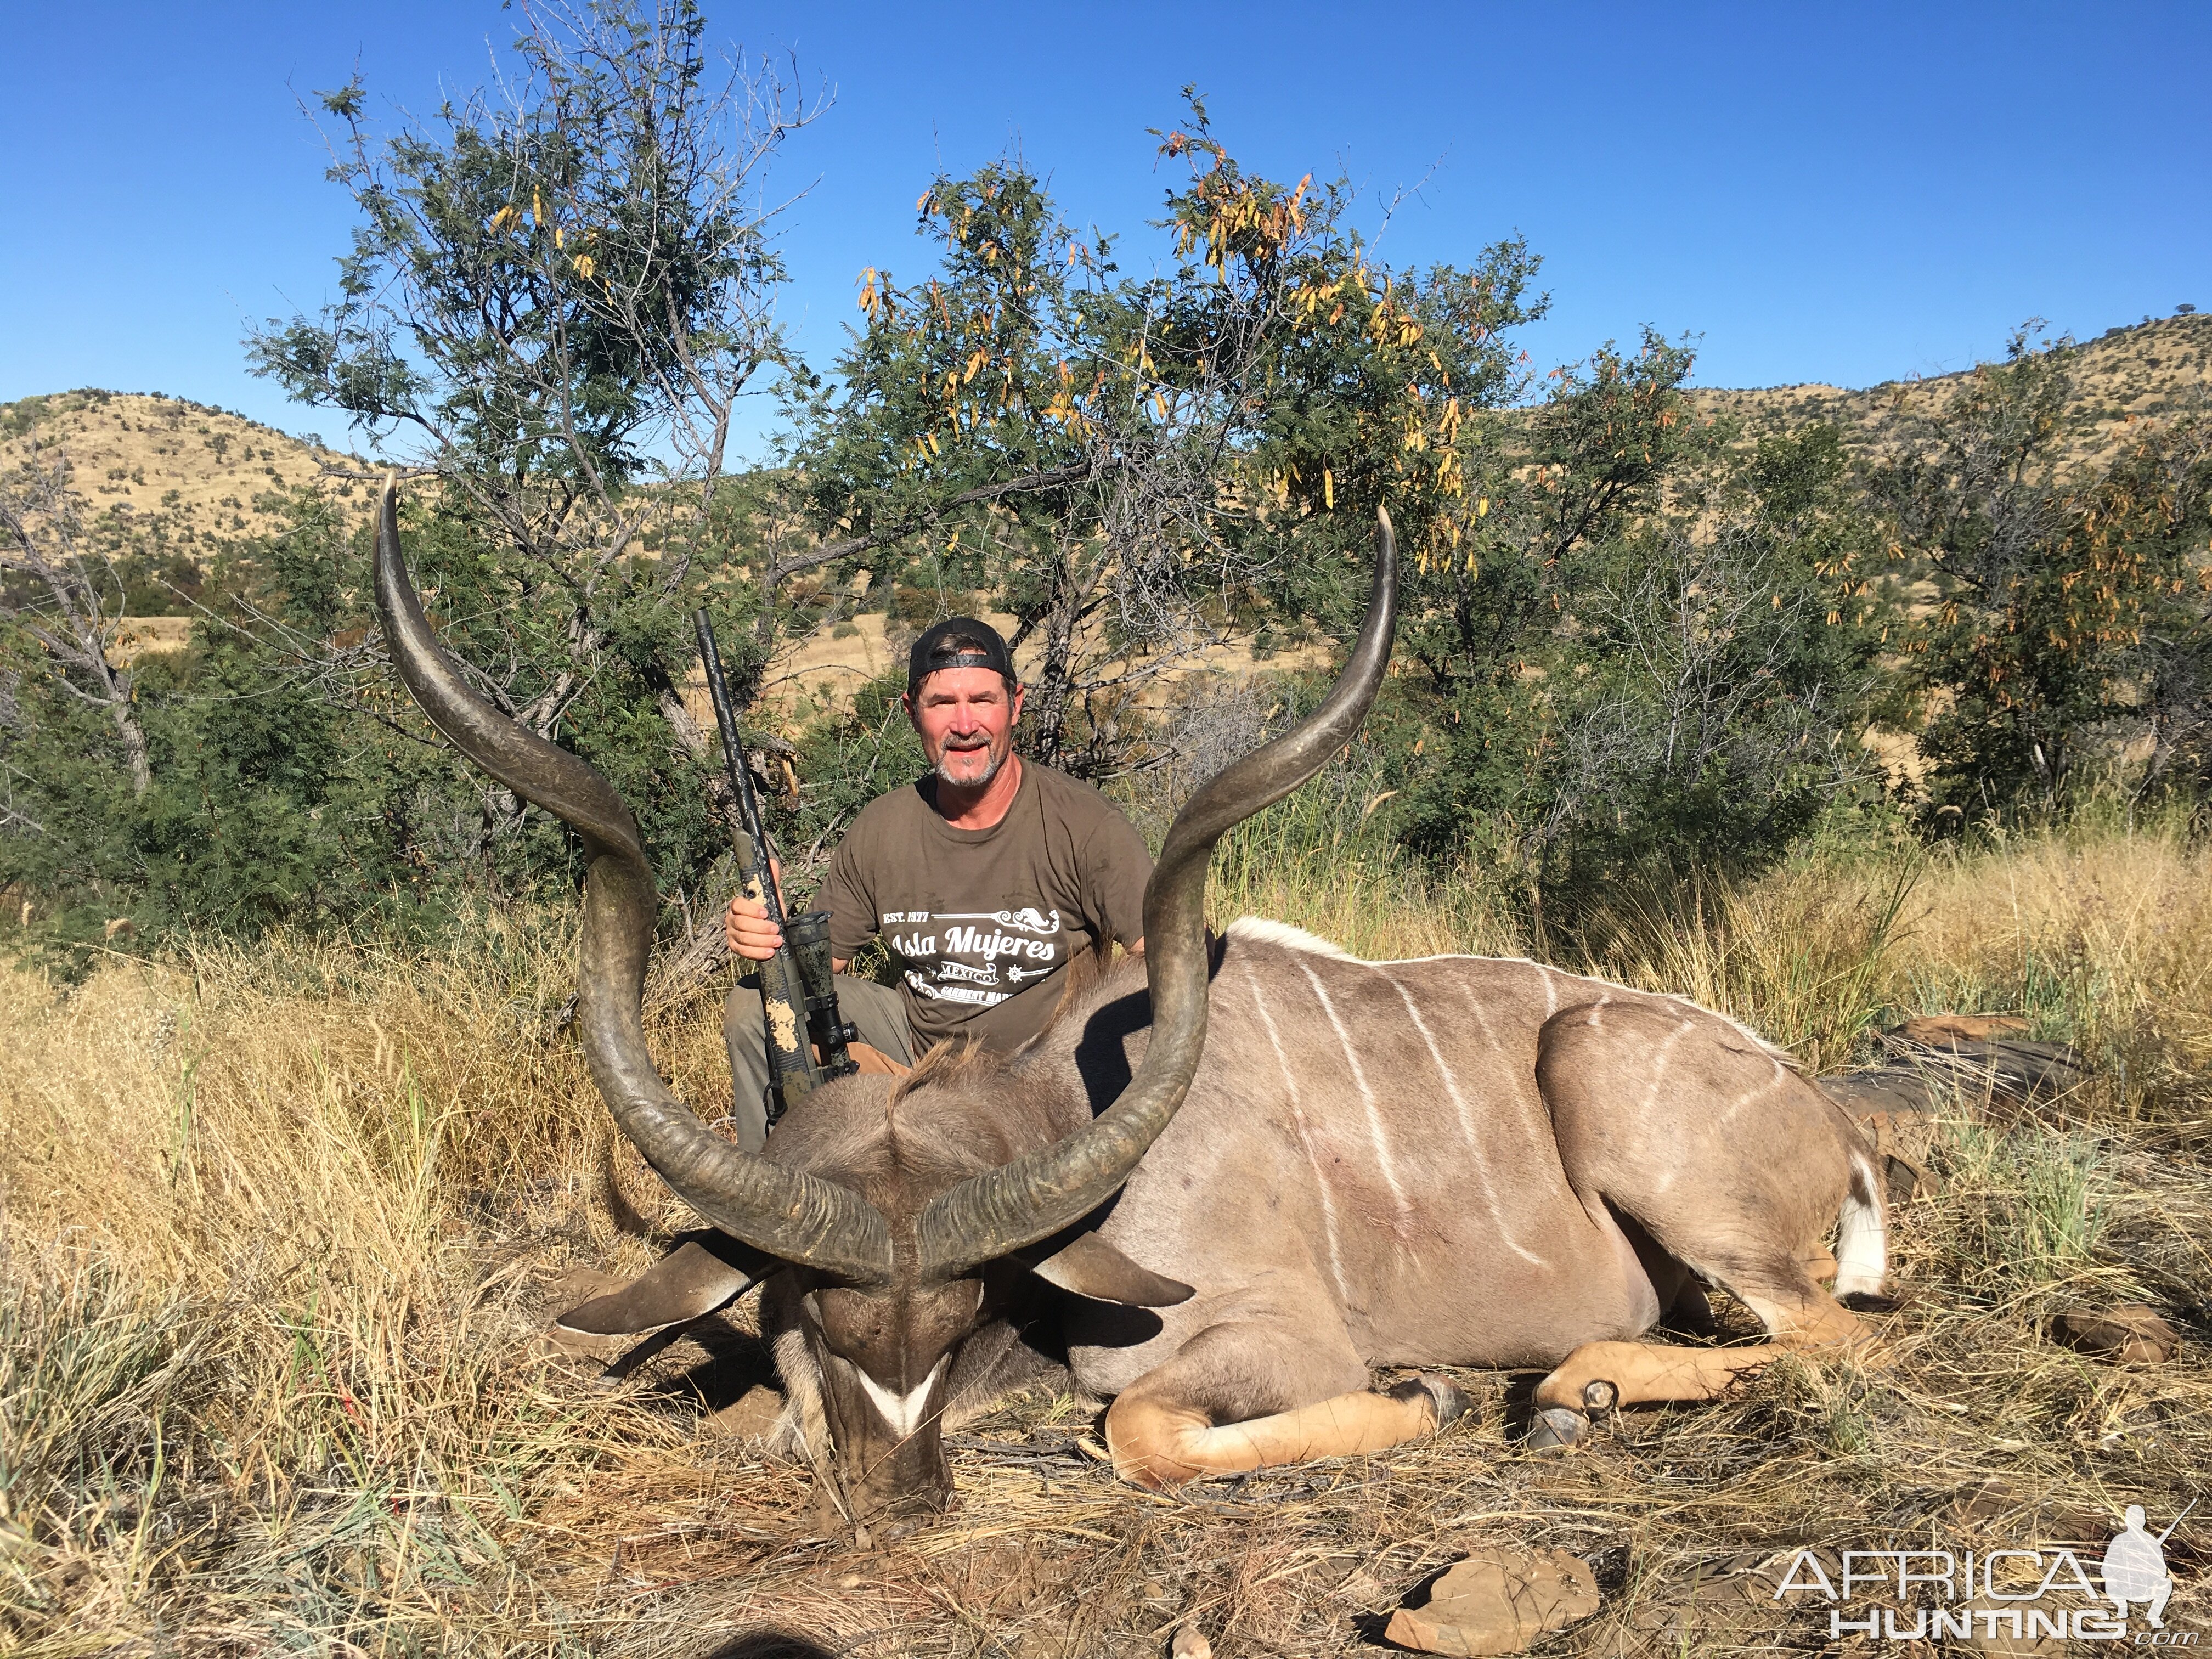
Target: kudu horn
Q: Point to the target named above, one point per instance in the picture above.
(787, 1213)
(1000, 1210)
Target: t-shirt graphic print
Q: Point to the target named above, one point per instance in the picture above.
(980, 922)
(958, 957)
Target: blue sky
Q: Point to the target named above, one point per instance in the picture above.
(1837, 193)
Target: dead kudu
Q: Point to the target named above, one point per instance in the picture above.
(1228, 1179)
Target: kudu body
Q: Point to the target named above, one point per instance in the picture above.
(1452, 1161)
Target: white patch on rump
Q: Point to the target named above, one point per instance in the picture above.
(903, 1411)
(1862, 1249)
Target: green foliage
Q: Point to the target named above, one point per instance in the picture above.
(293, 780)
(1612, 680)
(2067, 602)
(1633, 647)
(1137, 465)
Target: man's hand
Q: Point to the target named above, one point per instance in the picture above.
(746, 924)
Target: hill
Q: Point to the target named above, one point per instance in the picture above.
(165, 479)
(142, 456)
(2123, 375)
(176, 480)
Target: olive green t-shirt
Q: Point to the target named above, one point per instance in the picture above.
(980, 923)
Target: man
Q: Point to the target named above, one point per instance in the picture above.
(983, 878)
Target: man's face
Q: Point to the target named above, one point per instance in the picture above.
(966, 722)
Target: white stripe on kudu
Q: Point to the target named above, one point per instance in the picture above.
(1466, 1122)
(1664, 1053)
(1367, 1098)
(1305, 1140)
(1757, 1091)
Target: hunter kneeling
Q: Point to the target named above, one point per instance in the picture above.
(983, 878)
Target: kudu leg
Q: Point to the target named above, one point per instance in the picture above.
(1602, 1376)
(1718, 1158)
(1195, 1415)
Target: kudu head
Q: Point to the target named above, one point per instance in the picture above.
(902, 1245)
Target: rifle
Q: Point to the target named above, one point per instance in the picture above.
(798, 999)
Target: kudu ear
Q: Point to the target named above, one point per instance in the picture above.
(1090, 1266)
(707, 1270)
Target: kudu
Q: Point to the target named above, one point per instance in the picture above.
(1344, 1164)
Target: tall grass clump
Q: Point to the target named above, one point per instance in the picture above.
(1328, 866)
(1803, 957)
(264, 1230)
(2100, 932)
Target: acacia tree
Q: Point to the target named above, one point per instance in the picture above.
(2070, 598)
(558, 292)
(1149, 462)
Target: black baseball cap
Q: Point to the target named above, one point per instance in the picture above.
(958, 643)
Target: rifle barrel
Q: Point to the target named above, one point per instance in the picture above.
(733, 757)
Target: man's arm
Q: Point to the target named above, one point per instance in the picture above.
(1116, 867)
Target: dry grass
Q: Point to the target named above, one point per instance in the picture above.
(280, 1229)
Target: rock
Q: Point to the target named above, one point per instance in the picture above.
(2131, 1335)
(1190, 1644)
(1498, 1601)
(1973, 1075)
(1904, 1141)
(1947, 1031)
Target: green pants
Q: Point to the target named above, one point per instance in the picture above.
(878, 1012)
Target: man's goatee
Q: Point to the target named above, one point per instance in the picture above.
(991, 765)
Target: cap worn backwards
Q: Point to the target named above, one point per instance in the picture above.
(958, 643)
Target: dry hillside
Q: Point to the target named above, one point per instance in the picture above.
(2125, 374)
(140, 460)
(169, 475)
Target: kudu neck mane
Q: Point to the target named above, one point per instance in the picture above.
(959, 1113)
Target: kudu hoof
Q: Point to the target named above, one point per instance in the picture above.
(1600, 1398)
(1555, 1428)
(1449, 1400)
